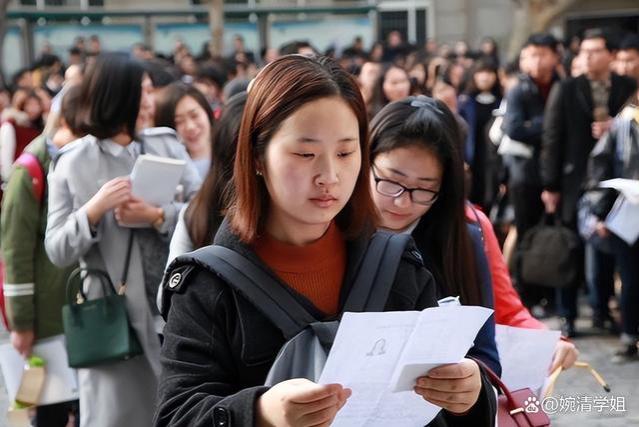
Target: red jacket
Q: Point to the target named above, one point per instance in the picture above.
(509, 310)
(24, 135)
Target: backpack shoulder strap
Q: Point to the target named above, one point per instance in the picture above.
(31, 163)
(376, 273)
(257, 286)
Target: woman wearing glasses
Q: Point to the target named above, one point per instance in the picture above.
(417, 185)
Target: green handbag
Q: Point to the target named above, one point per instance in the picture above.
(98, 331)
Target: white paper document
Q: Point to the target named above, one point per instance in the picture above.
(154, 179)
(60, 385)
(525, 355)
(628, 187)
(379, 356)
(623, 220)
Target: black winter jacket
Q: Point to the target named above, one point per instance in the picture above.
(524, 118)
(218, 348)
(567, 140)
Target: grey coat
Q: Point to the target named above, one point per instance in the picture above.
(122, 393)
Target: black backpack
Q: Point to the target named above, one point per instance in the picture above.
(308, 339)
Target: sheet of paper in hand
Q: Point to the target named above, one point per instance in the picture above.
(525, 356)
(623, 220)
(154, 179)
(380, 356)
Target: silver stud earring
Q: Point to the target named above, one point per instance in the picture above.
(258, 173)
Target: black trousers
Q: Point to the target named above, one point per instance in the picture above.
(57, 415)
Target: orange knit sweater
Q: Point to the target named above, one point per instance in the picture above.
(315, 270)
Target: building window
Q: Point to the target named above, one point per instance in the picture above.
(393, 21)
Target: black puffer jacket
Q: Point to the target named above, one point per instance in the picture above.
(218, 347)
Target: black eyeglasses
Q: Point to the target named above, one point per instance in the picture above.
(389, 188)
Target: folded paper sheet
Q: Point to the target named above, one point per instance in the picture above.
(380, 356)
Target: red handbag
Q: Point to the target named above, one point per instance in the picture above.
(519, 408)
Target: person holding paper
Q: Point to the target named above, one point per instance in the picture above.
(430, 226)
(417, 184)
(34, 288)
(89, 198)
(578, 112)
(616, 155)
(302, 212)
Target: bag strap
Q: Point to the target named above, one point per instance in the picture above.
(127, 262)
(377, 272)
(257, 286)
(498, 383)
(369, 293)
(31, 163)
(83, 273)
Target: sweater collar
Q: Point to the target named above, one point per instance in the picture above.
(355, 250)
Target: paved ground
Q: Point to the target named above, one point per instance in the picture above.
(575, 384)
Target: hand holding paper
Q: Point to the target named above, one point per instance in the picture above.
(154, 181)
(453, 387)
(136, 211)
(380, 357)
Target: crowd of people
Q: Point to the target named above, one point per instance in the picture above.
(294, 158)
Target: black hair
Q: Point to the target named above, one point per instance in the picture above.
(542, 40)
(212, 74)
(47, 60)
(17, 76)
(631, 41)
(441, 234)
(294, 46)
(379, 99)
(511, 68)
(111, 94)
(472, 90)
(599, 33)
(206, 211)
(171, 96)
(162, 73)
